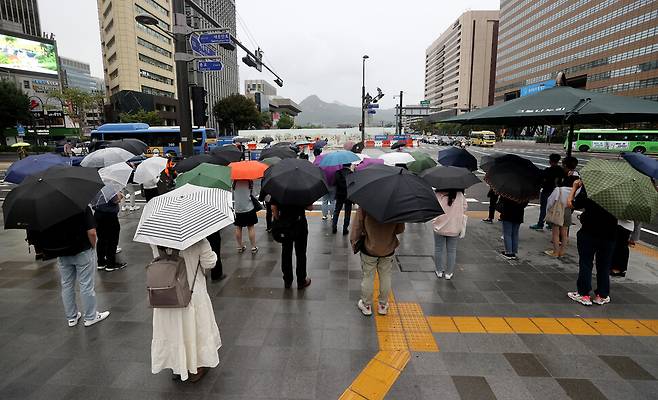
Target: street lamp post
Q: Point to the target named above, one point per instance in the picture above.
(363, 101)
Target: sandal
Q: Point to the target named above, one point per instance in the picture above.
(254, 250)
(242, 249)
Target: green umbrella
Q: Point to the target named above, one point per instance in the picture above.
(620, 189)
(207, 175)
(423, 162)
(271, 160)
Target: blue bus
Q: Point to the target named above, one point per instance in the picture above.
(160, 139)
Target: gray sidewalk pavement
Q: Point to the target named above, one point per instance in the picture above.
(312, 344)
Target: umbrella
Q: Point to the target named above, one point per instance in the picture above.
(247, 170)
(446, 178)
(399, 144)
(271, 161)
(358, 147)
(620, 189)
(184, 216)
(206, 175)
(294, 182)
(20, 144)
(240, 139)
(329, 172)
(97, 145)
(396, 157)
(134, 146)
(514, 177)
(487, 161)
(115, 177)
(456, 157)
(190, 163)
(49, 197)
(348, 145)
(227, 149)
(31, 165)
(106, 157)
(393, 194)
(367, 162)
(150, 169)
(645, 164)
(281, 152)
(339, 157)
(319, 144)
(267, 140)
(421, 163)
(282, 144)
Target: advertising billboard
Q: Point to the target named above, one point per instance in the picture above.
(27, 55)
(537, 87)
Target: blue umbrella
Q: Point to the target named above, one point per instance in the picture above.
(339, 158)
(456, 157)
(645, 164)
(31, 165)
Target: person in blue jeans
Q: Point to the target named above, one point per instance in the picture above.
(511, 214)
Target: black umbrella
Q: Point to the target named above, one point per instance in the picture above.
(358, 147)
(283, 144)
(487, 161)
(446, 178)
(281, 152)
(49, 197)
(294, 182)
(399, 144)
(267, 139)
(134, 146)
(97, 145)
(514, 177)
(393, 194)
(240, 139)
(226, 154)
(456, 157)
(190, 163)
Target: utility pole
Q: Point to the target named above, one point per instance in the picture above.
(399, 130)
(363, 102)
(182, 85)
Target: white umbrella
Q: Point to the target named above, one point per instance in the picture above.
(150, 169)
(115, 177)
(397, 157)
(182, 217)
(106, 157)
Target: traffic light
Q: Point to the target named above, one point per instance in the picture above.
(199, 106)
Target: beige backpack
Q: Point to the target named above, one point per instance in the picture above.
(166, 281)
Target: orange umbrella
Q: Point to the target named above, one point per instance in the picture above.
(247, 170)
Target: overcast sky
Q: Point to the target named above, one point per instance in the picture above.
(315, 46)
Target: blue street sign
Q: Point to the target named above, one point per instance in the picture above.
(373, 105)
(537, 87)
(200, 49)
(20, 129)
(372, 111)
(215, 38)
(210, 66)
(381, 137)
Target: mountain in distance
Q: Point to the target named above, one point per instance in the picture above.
(318, 112)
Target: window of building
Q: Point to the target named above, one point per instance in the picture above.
(112, 58)
(161, 23)
(115, 90)
(158, 7)
(155, 77)
(154, 33)
(110, 42)
(151, 46)
(154, 62)
(156, 92)
(107, 10)
(109, 26)
(26, 84)
(114, 73)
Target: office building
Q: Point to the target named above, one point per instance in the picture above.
(258, 85)
(604, 46)
(460, 64)
(77, 74)
(20, 16)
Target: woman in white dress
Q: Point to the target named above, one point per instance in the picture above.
(187, 339)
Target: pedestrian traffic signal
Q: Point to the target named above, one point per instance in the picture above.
(199, 106)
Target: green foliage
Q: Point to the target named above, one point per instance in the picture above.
(14, 107)
(148, 117)
(285, 122)
(265, 120)
(236, 112)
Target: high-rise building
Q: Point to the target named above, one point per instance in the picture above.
(20, 16)
(460, 64)
(258, 85)
(77, 74)
(605, 46)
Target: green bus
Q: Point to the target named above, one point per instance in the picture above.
(615, 141)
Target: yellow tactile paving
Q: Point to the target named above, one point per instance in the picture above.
(651, 324)
(577, 326)
(392, 341)
(522, 325)
(468, 325)
(633, 327)
(378, 376)
(350, 395)
(389, 323)
(645, 250)
(421, 341)
(550, 326)
(495, 325)
(395, 359)
(381, 371)
(369, 387)
(605, 327)
(442, 324)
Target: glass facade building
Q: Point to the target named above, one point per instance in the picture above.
(21, 12)
(76, 74)
(605, 46)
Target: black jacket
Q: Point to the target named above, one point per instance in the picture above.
(595, 219)
(511, 211)
(341, 183)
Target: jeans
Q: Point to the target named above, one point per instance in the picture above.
(348, 212)
(588, 247)
(441, 244)
(543, 202)
(82, 266)
(299, 244)
(511, 237)
(107, 228)
(215, 240)
(383, 266)
(329, 202)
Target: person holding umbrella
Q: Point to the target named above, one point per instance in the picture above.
(108, 229)
(342, 200)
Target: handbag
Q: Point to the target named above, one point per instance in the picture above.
(257, 205)
(555, 214)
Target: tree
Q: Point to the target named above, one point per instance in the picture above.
(78, 100)
(265, 120)
(148, 117)
(236, 112)
(14, 108)
(285, 121)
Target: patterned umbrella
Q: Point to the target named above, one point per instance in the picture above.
(184, 216)
(620, 189)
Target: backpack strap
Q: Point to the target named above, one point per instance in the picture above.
(195, 274)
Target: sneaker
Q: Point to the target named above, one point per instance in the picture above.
(487, 220)
(124, 208)
(133, 208)
(346, 232)
(119, 250)
(242, 249)
(438, 274)
(537, 227)
(448, 276)
(116, 266)
(509, 256)
(601, 300)
(584, 300)
(99, 317)
(254, 250)
(74, 321)
(550, 253)
(100, 267)
(305, 284)
(365, 308)
(324, 217)
(382, 309)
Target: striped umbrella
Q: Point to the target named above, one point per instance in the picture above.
(184, 216)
